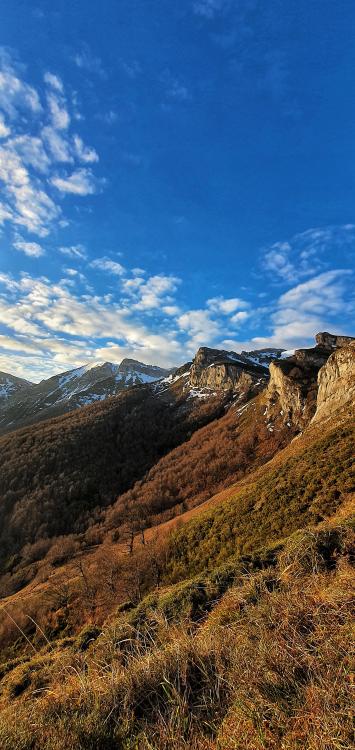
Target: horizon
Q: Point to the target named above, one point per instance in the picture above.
(173, 178)
(98, 363)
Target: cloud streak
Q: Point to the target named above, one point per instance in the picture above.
(41, 161)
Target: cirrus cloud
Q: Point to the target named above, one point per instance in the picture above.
(35, 135)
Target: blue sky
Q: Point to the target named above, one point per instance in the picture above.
(173, 174)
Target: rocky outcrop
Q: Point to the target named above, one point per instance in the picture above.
(292, 391)
(336, 383)
(293, 387)
(218, 370)
(331, 341)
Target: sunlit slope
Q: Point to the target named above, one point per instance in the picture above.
(306, 482)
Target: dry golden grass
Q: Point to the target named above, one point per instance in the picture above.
(268, 668)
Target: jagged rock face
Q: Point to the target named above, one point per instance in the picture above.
(314, 357)
(292, 391)
(336, 383)
(220, 370)
(293, 387)
(331, 341)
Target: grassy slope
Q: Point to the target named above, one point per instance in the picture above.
(304, 483)
(213, 457)
(229, 660)
(249, 650)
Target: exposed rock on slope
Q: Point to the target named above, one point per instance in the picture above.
(336, 382)
(331, 341)
(293, 383)
(11, 385)
(221, 370)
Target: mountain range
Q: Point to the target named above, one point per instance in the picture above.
(176, 557)
(23, 402)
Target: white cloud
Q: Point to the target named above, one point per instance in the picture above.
(80, 182)
(106, 264)
(226, 306)
(201, 328)
(74, 251)
(239, 317)
(320, 295)
(83, 152)
(34, 209)
(27, 159)
(4, 130)
(17, 344)
(58, 112)
(277, 261)
(54, 81)
(307, 308)
(58, 146)
(54, 317)
(152, 293)
(89, 62)
(171, 310)
(15, 94)
(12, 170)
(30, 150)
(307, 252)
(33, 249)
(5, 213)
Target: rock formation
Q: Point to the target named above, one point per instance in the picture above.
(336, 382)
(331, 341)
(218, 370)
(293, 387)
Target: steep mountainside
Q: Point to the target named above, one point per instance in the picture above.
(151, 452)
(53, 475)
(226, 627)
(10, 385)
(72, 389)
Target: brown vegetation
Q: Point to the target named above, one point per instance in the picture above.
(56, 477)
(237, 661)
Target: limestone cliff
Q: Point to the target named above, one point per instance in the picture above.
(226, 371)
(292, 391)
(331, 341)
(293, 387)
(336, 383)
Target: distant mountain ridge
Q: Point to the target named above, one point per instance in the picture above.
(10, 385)
(211, 372)
(24, 402)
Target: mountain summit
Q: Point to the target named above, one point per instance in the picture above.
(25, 402)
